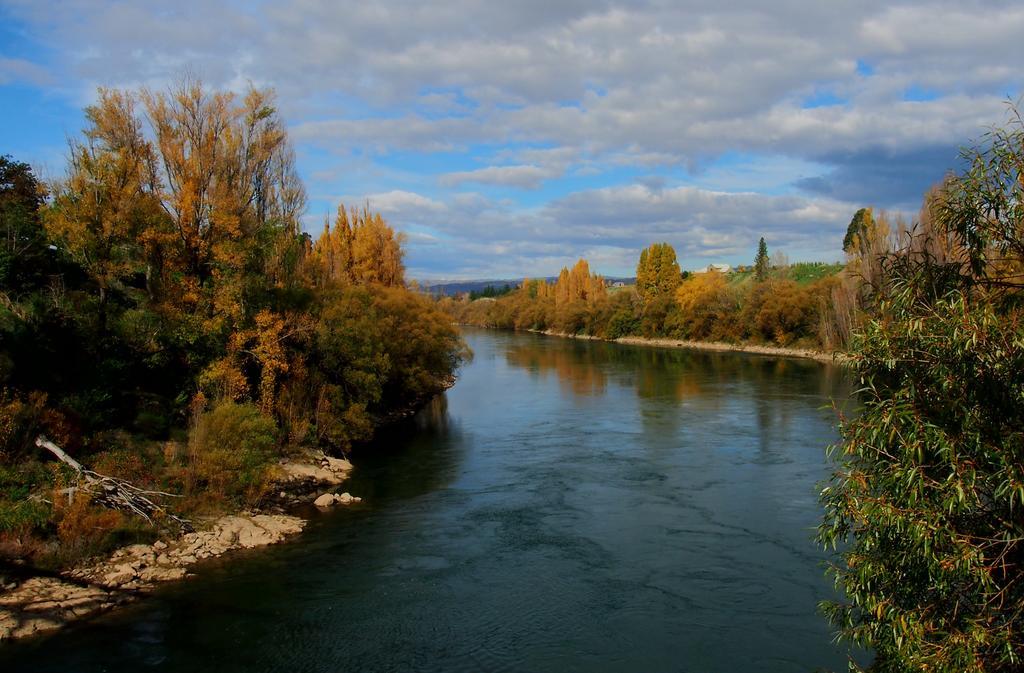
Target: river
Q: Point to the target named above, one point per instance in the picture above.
(567, 506)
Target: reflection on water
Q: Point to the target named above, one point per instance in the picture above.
(567, 506)
(584, 367)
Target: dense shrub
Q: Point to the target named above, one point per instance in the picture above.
(232, 452)
(926, 502)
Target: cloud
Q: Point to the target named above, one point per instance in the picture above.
(398, 201)
(470, 235)
(523, 177)
(16, 70)
(676, 109)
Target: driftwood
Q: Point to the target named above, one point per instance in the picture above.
(115, 493)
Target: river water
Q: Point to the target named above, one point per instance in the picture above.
(567, 506)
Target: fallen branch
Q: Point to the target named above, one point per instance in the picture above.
(116, 493)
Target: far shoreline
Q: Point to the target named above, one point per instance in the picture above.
(835, 358)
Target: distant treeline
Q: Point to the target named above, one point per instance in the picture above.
(807, 304)
(490, 292)
(475, 288)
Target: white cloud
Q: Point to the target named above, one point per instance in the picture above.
(523, 177)
(398, 201)
(472, 236)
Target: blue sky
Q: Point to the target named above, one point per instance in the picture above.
(509, 139)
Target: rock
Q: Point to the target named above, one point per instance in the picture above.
(88, 599)
(325, 500)
(321, 469)
(329, 499)
(137, 550)
(120, 574)
(30, 626)
(159, 574)
(339, 465)
(159, 545)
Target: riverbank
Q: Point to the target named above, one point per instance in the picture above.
(757, 349)
(38, 602)
(779, 351)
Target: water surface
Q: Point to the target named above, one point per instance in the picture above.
(567, 506)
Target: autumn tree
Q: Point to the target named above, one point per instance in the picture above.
(105, 208)
(578, 284)
(167, 283)
(657, 272)
(861, 223)
(227, 184)
(703, 300)
(360, 248)
(376, 251)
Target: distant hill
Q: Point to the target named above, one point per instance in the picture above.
(457, 287)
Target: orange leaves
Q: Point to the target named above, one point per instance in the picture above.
(229, 184)
(578, 284)
(269, 352)
(360, 248)
(102, 207)
(657, 272)
(193, 188)
(700, 292)
(377, 251)
(224, 380)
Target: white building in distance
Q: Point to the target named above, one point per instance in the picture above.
(720, 268)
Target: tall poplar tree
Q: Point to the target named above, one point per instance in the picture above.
(657, 272)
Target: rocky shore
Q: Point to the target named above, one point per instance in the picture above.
(759, 349)
(47, 602)
(782, 351)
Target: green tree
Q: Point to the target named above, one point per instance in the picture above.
(761, 263)
(23, 250)
(927, 499)
(657, 272)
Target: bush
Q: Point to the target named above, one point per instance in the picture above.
(86, 530)
(232, 451)
(624, 322)
(20, 420)
(704, 300)
(927, 499)
(787, 312)
(19, 514)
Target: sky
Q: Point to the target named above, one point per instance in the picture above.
(508, 139)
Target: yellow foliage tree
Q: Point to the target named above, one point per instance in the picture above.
(703, 300)
(579, 284)
(104, 208)
(361, 248)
